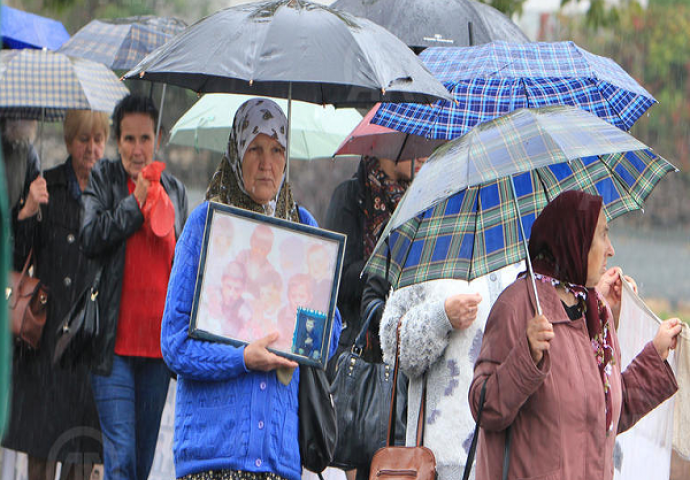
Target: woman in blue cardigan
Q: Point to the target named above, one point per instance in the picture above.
(236, 415)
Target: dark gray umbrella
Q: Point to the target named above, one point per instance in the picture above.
(292, 48)
(436, 23)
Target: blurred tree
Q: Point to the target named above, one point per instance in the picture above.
(508, 7)
(652, 46)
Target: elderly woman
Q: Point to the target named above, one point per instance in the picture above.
(555, 379)
(129, 378)
(236, 416)
(51, 404)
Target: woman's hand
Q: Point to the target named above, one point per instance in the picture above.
(141, 190)
(461, 309)
(539, 335)
(257, 356)
(38, 194)
(611, 288)
(667, 336)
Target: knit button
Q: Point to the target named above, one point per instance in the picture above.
(493, 277)
(261, 424)
(262, 385)
(70, 238)
(257, 462)
(67, 281)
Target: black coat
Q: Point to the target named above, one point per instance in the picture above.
(111, 216)
(50, 404)
(346, 215)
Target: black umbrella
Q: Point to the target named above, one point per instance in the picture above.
(292, 49)
(436, 23)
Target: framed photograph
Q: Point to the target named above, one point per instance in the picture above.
(260, 274)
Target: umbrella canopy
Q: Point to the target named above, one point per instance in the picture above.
(374, 140)
(121, 43)
(491, 80)
(41, 79)
(474, 228)
(292, 48)
(316, 130)
(27, 30)
(434, 23)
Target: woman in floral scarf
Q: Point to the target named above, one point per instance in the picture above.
(237, 408)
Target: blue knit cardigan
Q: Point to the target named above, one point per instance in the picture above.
(226, 417)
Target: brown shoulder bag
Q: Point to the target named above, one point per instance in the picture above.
(403, 463)
(27, 300)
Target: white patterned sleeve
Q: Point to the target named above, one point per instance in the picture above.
(425, 328)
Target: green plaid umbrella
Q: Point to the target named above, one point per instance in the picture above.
(517, 162)
(41, 79)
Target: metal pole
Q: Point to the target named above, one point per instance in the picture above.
(160, 118)
(287, 145)
(287, 136)
(524, 242)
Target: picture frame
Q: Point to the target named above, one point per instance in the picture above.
(258, 274)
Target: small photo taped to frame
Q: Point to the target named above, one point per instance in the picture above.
(260, 274)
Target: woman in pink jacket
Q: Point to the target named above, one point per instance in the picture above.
(553, 382)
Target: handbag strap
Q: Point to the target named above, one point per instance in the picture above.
(421, 417)
(394, 391)
(473, 447)
(20, 282)
(360, 340)
(96, 281)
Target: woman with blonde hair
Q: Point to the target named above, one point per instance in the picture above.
(53, 417)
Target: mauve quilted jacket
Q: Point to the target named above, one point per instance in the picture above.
(226, 417)
(556, 412)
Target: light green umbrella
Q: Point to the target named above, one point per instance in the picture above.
(316, 131)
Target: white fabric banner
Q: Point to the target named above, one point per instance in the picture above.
(644, 451)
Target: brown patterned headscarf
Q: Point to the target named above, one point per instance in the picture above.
(255, 116)
(559, 247)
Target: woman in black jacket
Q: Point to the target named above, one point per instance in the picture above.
(53, 416)
(129, 378)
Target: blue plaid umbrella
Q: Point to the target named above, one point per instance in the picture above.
(41, 80)
(27, 30)
(493, 79)
(474, 229)
(122, 43)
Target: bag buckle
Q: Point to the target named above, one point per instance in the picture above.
(357, 350)
(94, 295)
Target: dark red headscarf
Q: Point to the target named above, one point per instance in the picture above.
(559, 247)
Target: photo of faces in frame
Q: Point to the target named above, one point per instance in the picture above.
(259, 275)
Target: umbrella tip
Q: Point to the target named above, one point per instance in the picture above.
(251, 82)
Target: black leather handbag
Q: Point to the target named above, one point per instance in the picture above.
(362, 395)
(79, 328)
(317, 420)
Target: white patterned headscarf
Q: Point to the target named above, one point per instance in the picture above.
(255, 116)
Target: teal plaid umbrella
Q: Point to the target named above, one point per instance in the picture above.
(478, 182)
(41, 79)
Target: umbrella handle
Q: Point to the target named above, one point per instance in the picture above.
(524, 243)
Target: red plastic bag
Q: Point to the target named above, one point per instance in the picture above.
(159, 213)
